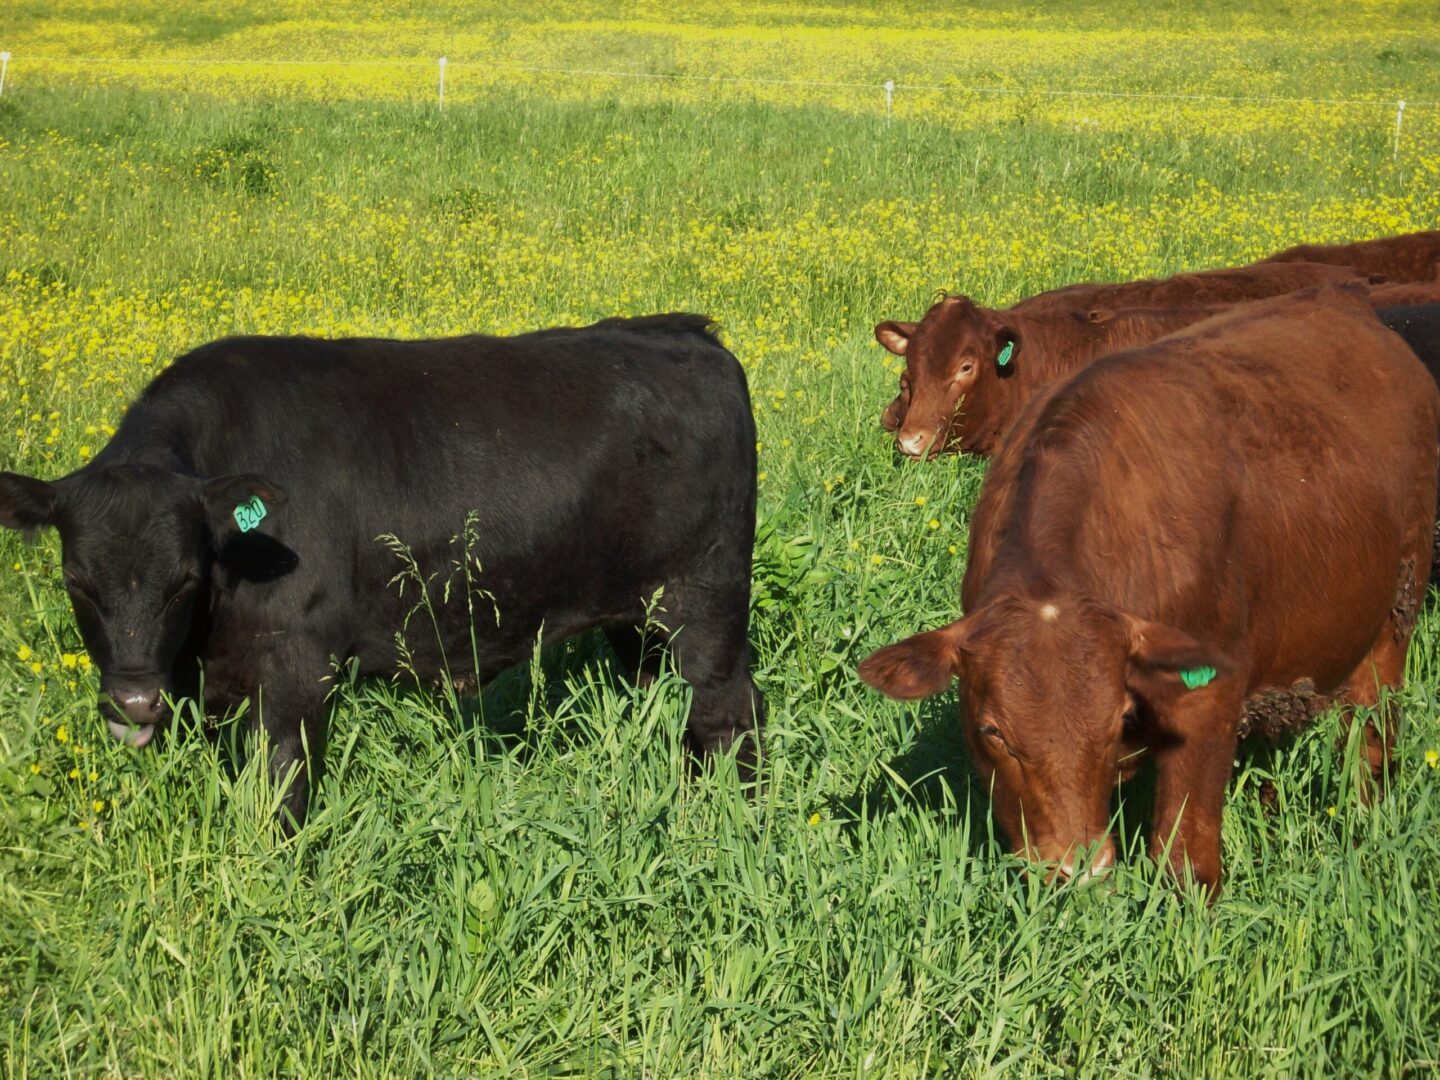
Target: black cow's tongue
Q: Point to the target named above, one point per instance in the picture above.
(130, 734)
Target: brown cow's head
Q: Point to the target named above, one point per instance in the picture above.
(955, 349)
(1061, 698)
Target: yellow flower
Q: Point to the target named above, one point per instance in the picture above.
(75, 773)
(1331, 811)
(34, 768)
(36, 666)
(93, 776)
(877, 559)
(23, 653)
(1432, 758)
(815, 818)
(69, 659)
(934, 523)
(62, 734)
(98, 805)
(954, 550)
(84, 661)
(919, 500)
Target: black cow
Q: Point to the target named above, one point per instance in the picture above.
(543, 484)
(1419, 325)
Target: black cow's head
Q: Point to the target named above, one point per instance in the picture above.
(139, 543)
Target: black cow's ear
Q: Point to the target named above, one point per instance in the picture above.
(26, 504)
(239, 503)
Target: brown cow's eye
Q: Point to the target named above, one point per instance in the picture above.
(990, 731)
(1130, 721)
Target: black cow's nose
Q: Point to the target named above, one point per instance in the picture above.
(139, 706)
(133, 711)
(137, 702)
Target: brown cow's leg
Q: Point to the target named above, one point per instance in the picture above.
(1190, 780)
(1382, 669)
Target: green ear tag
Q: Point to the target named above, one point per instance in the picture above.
(1004, 357)
(250, 513)
(1196, 677)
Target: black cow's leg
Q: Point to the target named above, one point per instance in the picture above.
(712, 653)
(636, 649)
(292, 710)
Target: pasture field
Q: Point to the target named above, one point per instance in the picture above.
(528, 884)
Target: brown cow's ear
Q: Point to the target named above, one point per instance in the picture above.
(1168, 660)
(26, 504)
(918, 666)
(239, 503)
(895, 336)
(1007, 346)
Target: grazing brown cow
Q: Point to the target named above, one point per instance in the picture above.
(1238, 514)
(969, 369)
(1409, 257)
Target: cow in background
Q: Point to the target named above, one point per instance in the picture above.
(1410, 257)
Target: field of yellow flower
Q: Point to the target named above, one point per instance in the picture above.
(529, 885)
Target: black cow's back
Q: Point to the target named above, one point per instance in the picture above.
(590, 467)
(1419, 325)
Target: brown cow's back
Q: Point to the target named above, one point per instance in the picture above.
(1228, 285)
(1410, 257)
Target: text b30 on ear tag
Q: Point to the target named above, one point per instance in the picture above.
(250, 513)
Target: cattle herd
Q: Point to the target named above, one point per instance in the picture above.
(1211, 511)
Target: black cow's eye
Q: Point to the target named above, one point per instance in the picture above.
(78, 586)
(182, 590)
(1130, 721)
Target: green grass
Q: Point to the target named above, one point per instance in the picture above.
(530, 883)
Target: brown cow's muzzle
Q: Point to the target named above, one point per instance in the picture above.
(1074, 865)
(919, 444)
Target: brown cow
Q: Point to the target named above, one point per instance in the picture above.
(945, 377)
(1410, 257)
(1238, 513)
(1404, 294)
(991, 361)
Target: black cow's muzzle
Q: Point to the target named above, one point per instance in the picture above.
(132, 711)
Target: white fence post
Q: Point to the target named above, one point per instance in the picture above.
(889, 94)
(4, 67)
(1399, 116)
(442, 84)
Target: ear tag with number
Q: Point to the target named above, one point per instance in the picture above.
(250, 513)
(1196, 677)
(1004, 357)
